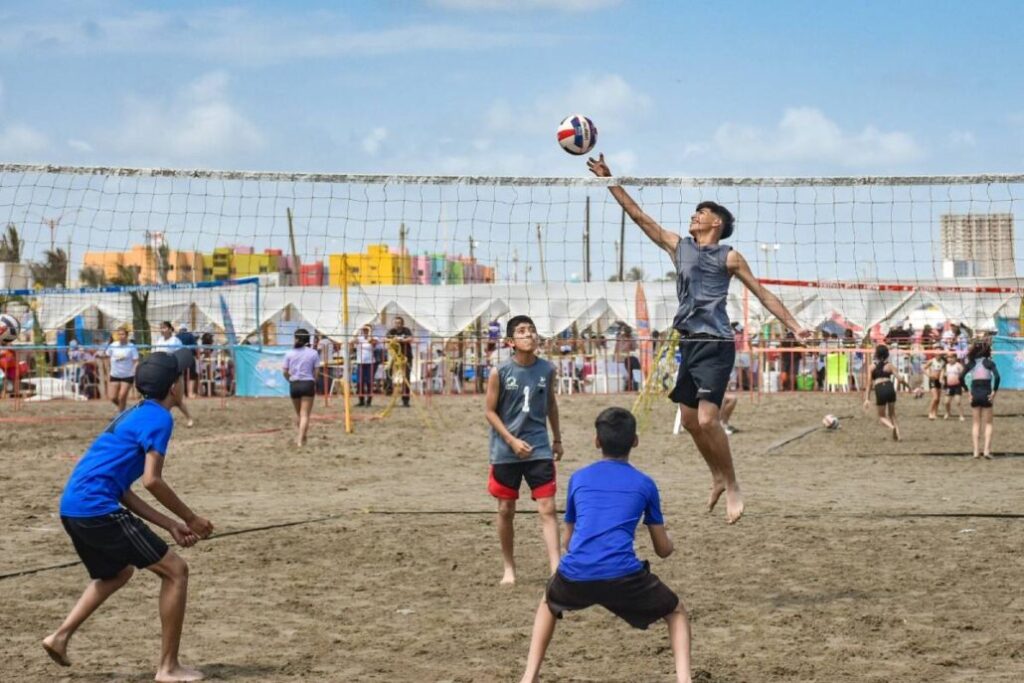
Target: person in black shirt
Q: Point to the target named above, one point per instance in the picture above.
(404, 336)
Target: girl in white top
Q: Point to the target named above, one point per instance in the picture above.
(364, 344)
(168, 343)
(124, 357)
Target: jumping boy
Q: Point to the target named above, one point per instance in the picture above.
(98, 511)
(520, 403)
(606, 501)
(704, 268)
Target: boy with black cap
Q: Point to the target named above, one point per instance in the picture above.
(704, 266)
(98, 510)
(606, 501)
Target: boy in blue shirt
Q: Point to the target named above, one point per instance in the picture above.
(98, 510)
(606, 501)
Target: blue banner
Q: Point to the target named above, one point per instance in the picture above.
(258, 371)
(1008, 353)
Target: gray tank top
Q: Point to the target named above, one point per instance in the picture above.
(702, 286)
(523, 396)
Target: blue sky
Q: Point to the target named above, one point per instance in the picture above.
(479, 86)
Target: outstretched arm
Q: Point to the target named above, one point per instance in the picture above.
(738, 266)
(663, 238)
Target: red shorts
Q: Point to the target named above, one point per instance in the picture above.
(505, 479)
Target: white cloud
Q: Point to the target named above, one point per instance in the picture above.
(806, 135)
(962, 138)
(624, 162)
(18, 142)
(609, 101)
(506, 5)
(238, 35)
(373, 140)
(80, 145)
(198, 124)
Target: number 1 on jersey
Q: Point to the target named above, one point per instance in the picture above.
(526, 399)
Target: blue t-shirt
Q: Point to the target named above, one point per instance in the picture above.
(605, 502)
(115, 460)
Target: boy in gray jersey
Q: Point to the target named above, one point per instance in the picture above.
(703, 270)
(520, 403)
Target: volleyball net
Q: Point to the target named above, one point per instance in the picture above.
(455, 257)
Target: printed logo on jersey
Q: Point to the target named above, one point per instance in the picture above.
(510, 383)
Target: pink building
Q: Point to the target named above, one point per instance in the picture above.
(420, 270)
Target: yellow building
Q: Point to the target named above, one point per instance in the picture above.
(378, 266)
(181, 266)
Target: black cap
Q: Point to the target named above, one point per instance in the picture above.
(158, 372)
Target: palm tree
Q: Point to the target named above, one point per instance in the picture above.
(128, 276)
(11, 245)
(635, 274)
(93, 277)
(52, 271)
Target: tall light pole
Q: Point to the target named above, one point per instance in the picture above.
(768, 249)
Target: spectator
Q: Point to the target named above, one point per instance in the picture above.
(625, 353)
(191, 375)
(364, 344)
(403, 335)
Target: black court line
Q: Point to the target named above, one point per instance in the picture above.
(937, 454)
(808, 430)
(351, 513)
(283, 525)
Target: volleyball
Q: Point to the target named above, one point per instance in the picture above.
(830, 422)
(9, 328)
(577, 134)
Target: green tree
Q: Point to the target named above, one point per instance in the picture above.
(52, 271)
(128, 276)
(91, 276)
(11, 245)
(635, 274)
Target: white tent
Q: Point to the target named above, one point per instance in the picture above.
(444, 311)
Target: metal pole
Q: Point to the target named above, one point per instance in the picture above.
(586, 242)
(540, 248)
(622, 247)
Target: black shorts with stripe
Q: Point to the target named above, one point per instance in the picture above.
(109, 543)
(704, 370)
(640, 599)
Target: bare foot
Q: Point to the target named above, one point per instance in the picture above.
(509, 579)
(961, 418)
(976, 456)
(895, 433)
(717, 489)
(179, 673)
(57, 648)
(733, 504)
(190, 423)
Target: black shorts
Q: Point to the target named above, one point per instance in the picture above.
(302, 388)
(885, 393)
(129, 380)
(934, 383)
(704, 370)
(640, 599)
(955, 390)
(109, 543)
(980, 391)
(505, 478)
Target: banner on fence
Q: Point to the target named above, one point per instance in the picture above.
(1008, 353)
(258, 371)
